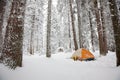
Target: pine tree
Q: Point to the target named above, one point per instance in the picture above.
(12, 47)
(32, 34)
(103, 27)
(116, 27)
(79, 23)
(48, 50)
(73, 25)
(92, 31)
(100, 29)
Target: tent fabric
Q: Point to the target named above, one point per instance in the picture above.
(82, 54)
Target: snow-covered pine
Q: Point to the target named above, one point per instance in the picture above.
(34, 8)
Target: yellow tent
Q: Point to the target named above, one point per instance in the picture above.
(82, 54)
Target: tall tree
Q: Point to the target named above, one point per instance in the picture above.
(34, 17)
(73, 25)
(12, 47)
(69, 29)
(63, 9)
(103, 26)
(48, 50)
(92, 31)
(116, 27)
(32, 34)
(99, 28)
(79, 23)
(2, 10)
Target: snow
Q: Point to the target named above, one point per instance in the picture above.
(61, 67)
(54, 2)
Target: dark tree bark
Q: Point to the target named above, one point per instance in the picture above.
(13, 42)
(99, 28)
(48, 50)
(103, 27)
(2, 10)
(116, 28)
(73, 25)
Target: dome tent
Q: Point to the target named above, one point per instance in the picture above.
(82, 54)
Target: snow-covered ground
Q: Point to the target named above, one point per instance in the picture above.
(61, 67)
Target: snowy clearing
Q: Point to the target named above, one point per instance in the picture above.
(61, 67)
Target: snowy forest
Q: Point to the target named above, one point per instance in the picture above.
(51, 27)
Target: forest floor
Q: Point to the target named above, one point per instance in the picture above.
(61, 67)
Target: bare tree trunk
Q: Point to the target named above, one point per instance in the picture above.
(69, 29)
(37, 46)
(13, 42)
(32, 35)
(92, 31)
(116, 27)
(48, 50)
(2, 10)
(99, 28)
(103, 26)
(79, 24)
(73, 25)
